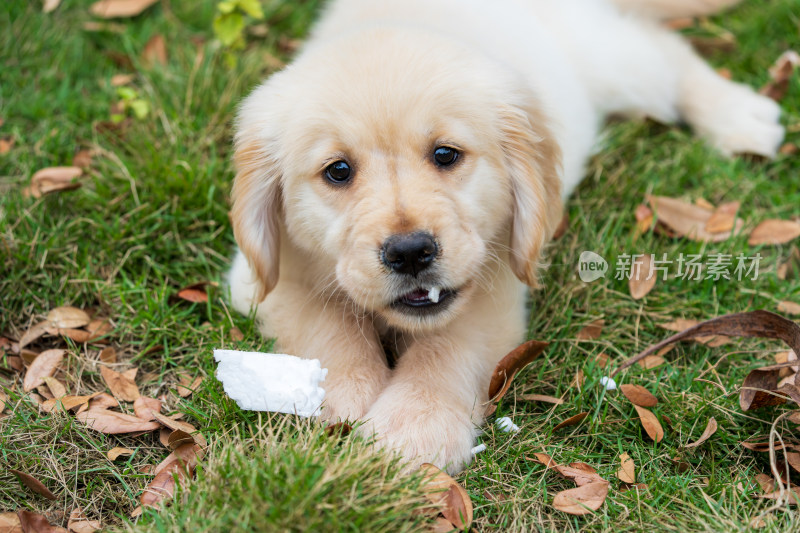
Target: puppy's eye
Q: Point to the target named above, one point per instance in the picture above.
(338, 173)
(444, 156)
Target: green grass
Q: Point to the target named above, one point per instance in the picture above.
(152, 217)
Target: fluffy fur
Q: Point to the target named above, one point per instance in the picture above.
(520, 87)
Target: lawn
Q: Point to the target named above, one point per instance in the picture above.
(151, 218)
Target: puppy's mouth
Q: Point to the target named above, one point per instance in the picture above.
(425, 301)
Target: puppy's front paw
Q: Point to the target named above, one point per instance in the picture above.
(349, 397)
(737, 120)
(422, 434)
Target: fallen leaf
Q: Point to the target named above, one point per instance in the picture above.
(758, 390)
(764, 446)
(35, 523)
(591, 331)
(651, 361)
(788, 149)
(82, 159)
(791, 495)
(155, 51)
(35, 331)
(45, 365)
(723, 218)
(578, 380)
(178, 438)
(627, 471)
(109, 9)
(793, 458)
(163, 436)
(580, 473)
(688, 220)
(650, 423)
(68, 317)
(444, 491)
(187, 386)
(118, 80)
(571, 421)
(78, 523)
(34, 484)
(642, 278)
(544, 459)
(122, 384)
(9, 523)
(68, 402)
(179, 464)
(113, 422)
(183, 426)
(781, 73)
(196, 293)
(116, 452)
(108, 355)
(602, 360)
(541, 398)
(103, 401)
(99, 327)
(766, 483)
(510, 365)
(57, 389)
(644, 218)
(758, 323)
(236, 334)
(638, 395)
(789, 307)
(143, 407)
(774, 232)
(3, 400)
(6, 145)
(53, 179)
(711, 428)
(582, 500)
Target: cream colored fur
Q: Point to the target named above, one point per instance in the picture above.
(521, 86)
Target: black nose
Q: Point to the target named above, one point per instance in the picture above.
(409, 253)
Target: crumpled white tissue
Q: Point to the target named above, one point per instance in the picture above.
(506, 424)
(478, 449)
(608, 383)
(272, 382)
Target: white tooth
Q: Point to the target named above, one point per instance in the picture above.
(433, 294)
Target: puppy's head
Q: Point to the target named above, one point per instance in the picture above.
(405, 168)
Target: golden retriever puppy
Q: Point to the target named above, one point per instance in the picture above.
(396, 185)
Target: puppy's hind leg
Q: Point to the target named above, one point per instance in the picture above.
(668, 9)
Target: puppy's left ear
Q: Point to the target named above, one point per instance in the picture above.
(533, 161)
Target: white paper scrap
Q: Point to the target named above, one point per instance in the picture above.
(478, 449)
(608, 383)
(271, 382)
(506, 424)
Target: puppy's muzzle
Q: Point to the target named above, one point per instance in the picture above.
(409, 253)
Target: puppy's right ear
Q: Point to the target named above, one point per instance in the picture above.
(257, 208)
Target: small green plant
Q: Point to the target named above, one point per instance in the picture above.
(130, 103)
(230, 23)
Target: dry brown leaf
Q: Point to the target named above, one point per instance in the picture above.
(68, 402)
(187, 386)
(3, 400)
(766, 483)
(78, 523)
(758, 390)
(651, 361)
(183, 426)
(9, 523)
(541, 398)
(591, 331)
(644, 219)
(35, 331)
(116, 452)
(723, 218)
(83, 159)
(34, 484)
(444, 491)
(788, 149)
(178, 438)
(53, 179)
(764, 446)
(109, 9)
(57, 389)
(155, 51)
(510, 365)
(196, 293)
(650, 423)
(580, 473)
(113, 422)
(781, 73)
(571, 421)
(181, 464)
(578, 380)
(35, 523)
(68, 317)
(163, 436)
(99, 327)
(544, 459)
(103, 401)
(143, 407)
(627, 471)
(791, 495)
(108, 355)
(774, 232)
(236, 334)
(789, 307)
(642, 278)
(602, 360)
(711, 428)
(6, 145)
(582, 500)
(122, 384)
(793, 458)
(638, 395)
(750, 324)
(688, 220)
(45, 365)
